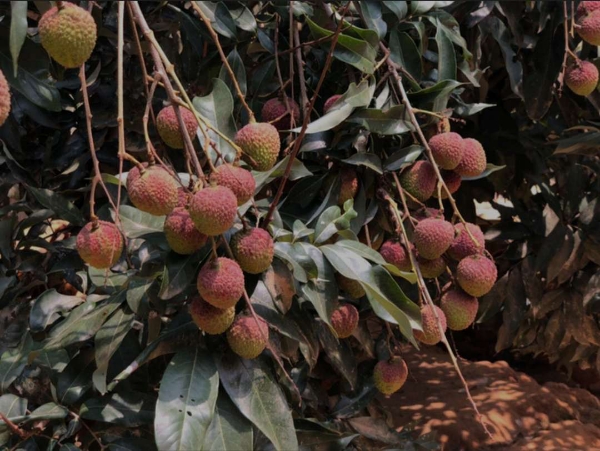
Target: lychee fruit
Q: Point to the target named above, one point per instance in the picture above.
(452, 181)
(430, 269)
(237, 179)
(348, 185)
(476, 275)
(181, 233)
(213, 209)
(168, 126)
(253, 249)
(474, 161)
(463, 245)
(582, 77)
(432, 237)
(395, 254)
(4, 99)
(460, 309)
(100, 244)
(275, 108)
(390, 376)
(248, 337)
(329, 102)
(586, 7)
(152, 190)
(183, 197)
(221, 282)
(419, 180)
(68, 34)
(344, 320)
(447, 149)
(260, 145)
(588, 27)
(210, 319)
(431, 333)
(353, 288)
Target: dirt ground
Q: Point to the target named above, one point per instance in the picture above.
(520, 414)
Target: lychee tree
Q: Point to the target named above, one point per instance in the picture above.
(223, 222)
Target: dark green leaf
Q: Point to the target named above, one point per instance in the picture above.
(239, 70)
(179, 272)
(128, 409)
(446, 55)
(372, 13)
(220, 18)
(11, 407)
(47, 308)
(137, 223)
(229, 430)
(405, 53)
(390, 122)
(60, 205)
(13, 361)
(76, 379)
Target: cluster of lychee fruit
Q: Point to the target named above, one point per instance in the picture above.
(582, 76)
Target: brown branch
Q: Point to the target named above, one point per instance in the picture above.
(288, 110)
(120, 114)
(300, 64)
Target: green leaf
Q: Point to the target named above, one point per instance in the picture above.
(239, 70)
(389, 122)
(253, 389)
(76, 379)
(372, 13)
(320, 290)
(229, 429)
(369, 160)
(405, 53)
(437, 95)
(11, 407)
(264, 178)
(186, 400)
(63, 208)
(446, 55)
(48, 411)
(47, 308)
(179, 272)
(13, 361)
(244, 18)
(18, 31)
(106, 342)
(137, 223)
(220, 18)
(402, 158)
(217, 109)
(488, 170)
(399, 8)
(331, 222)
(128, 409)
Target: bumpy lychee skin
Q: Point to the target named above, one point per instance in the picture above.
(433, 237)
(100, 246)
(447, 149)
(589, 27)
(183, 197)
(253, 249)
(431, 333)
(275, 108)
(152, 190)
(329, 102)
(452, 180)
(460, 309)
(181, 233)
(419, 180)
(221, 282)
(586, 7)
(348, 185)
(237, 179)
(260, 144)
(168, 126)
(390, 376)
(395, 253)
(582, 77)
(353, 289)
(4, 99)
(211, 320)
(68, 34)
(248, 337)
(463, 245)
(476, 275)
(344, 320)
(474, 161)
(213, 210)
(430, 269)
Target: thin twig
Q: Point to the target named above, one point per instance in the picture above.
(120, 114)
(300, 65)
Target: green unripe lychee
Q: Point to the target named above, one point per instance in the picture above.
(431, 333)
(463, 245)
(353, 288)
(68, 34)
(237, 179)
(168, 126)
(4, 99)
(329, 102)
(152, 190)
(221, 282)
(430, 269)
(395, 254)
(210, 319)
(275, 108)
(253, 249)
(390, 376)
(476, 275)
(344, 320)
(474, 161)
(582, 77)
(181, 233)
(419, 180)
(260, 145)
(460, 309)
(433, 237)
(248, 337)
(100, 245)
(447, 149)
(213, 210)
